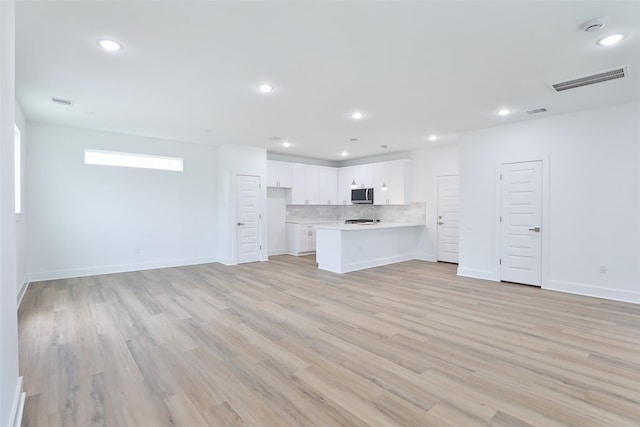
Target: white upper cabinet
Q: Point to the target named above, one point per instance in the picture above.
(328, 193)
(362, 175)
(395, 176)
(306, 185)
(279, 174)
(323, 185)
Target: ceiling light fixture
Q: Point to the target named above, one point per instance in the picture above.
(611, 40)
(504, 112)
(265, 87)
(110, 45)
(286, 144)
(432, 138)
(357, 115)
(344, 153)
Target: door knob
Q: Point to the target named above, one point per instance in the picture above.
(440, 222)
(536, 229)
(240, 223)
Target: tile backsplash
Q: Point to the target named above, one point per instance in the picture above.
(415, 212)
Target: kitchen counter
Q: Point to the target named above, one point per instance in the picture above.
(365, 226)
(342, 248)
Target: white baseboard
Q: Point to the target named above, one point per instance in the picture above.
(425, 256)
(355, 266)
(592, 291)
(22, 291)
(15, 417)
(478, 274)
(275, 252)
(120, 268)
(227, 261)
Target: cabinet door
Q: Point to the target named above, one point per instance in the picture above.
(312, 238)
(363, 176)
(380, 171)
(303, 245)
(272, 174)
(278, 174)
(306, 185)
(328, 186)
(284, 173)
(395, 176)
(345, 177)
(298, 185)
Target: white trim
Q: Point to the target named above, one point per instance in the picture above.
(22, 290)
(17, 408)
(277, 252)
(119, 268)
(378, 262)
(479, 274)
(227, 261)
(592, 291)
(425, 256)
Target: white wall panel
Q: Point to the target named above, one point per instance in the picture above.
(87, 219)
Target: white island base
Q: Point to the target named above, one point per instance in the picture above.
(345, 248)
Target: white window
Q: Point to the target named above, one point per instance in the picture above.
(131, 160)
(17, 169)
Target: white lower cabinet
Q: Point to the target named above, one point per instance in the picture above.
(301, 239)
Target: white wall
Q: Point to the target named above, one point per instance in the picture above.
(21, 219)
(593, 185)
(428, 164)
(238, 160)
(10, 383)
(87, 219)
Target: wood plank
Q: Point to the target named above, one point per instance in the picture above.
(285, 344)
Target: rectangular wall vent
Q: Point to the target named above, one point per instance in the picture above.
(617, 73)
(60, 101)
(536, 111)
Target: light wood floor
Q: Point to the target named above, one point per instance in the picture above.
(284, 344)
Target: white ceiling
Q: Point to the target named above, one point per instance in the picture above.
(189, 70)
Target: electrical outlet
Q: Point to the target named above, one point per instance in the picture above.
(137, 250)
(603, 269)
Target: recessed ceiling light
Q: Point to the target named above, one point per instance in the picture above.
(265, 87)
(110, 45)
(344, 153)
(504, 112)
(432, 137)
(357, 115)
(611, 40)
(286, 144)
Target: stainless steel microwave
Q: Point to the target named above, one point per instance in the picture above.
(362, 196)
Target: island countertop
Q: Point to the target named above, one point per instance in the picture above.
(368, 226)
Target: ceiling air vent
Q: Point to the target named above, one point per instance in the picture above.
(60, 101)
(536, 111)
(617, 73)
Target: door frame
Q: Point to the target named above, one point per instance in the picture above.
(546, 228)
(437, 198)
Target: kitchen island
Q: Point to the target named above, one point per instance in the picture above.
(342, 248)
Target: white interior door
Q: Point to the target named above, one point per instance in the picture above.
(448, 217)
(521, 222)
(248, 218)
